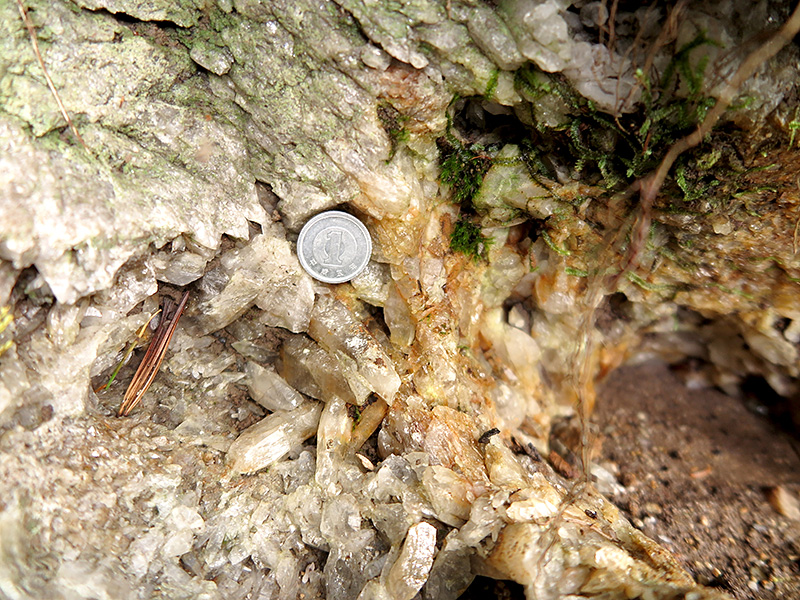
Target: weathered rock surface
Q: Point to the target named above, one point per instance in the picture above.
(213, 131)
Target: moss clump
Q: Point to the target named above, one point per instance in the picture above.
(463, 170)
(468, 239)
(693, 185)
(668, 115)
(626, 148)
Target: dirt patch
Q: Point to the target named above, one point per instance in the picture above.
(695, 466)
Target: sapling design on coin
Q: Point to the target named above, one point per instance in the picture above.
(334, 247)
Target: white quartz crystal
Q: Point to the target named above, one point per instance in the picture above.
(273, 438)
(270, 390)
(411, 568)
(337, 330)
(267, 273)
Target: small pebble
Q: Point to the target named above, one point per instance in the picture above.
(666, 540)
(651, 508)
(785, 502)
(365, 462)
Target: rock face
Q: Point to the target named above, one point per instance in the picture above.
(380, 438)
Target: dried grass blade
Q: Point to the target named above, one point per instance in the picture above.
(6, 318)
(32, 33)
(128, 352)
(154, 356)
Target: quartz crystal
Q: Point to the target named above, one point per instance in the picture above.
(273, 438)
(270, 390)
(339, 332)
(410, 571)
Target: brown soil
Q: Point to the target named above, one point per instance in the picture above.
(695, 465)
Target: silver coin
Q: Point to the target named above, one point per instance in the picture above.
(334, 247)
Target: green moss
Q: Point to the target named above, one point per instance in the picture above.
(626, 148)
(681, 64)
(538, 84)
(551, 244)
(394, 125)
(794, 125)
(491, 86)
(693, 185)
(354, 412)
(468, 239)
(463, 169)
(728, 290)
(707, 160)
(576, 272)
(646, 285)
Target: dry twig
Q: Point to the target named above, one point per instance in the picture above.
(612, 20)
(650, 185)
(32, 33)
